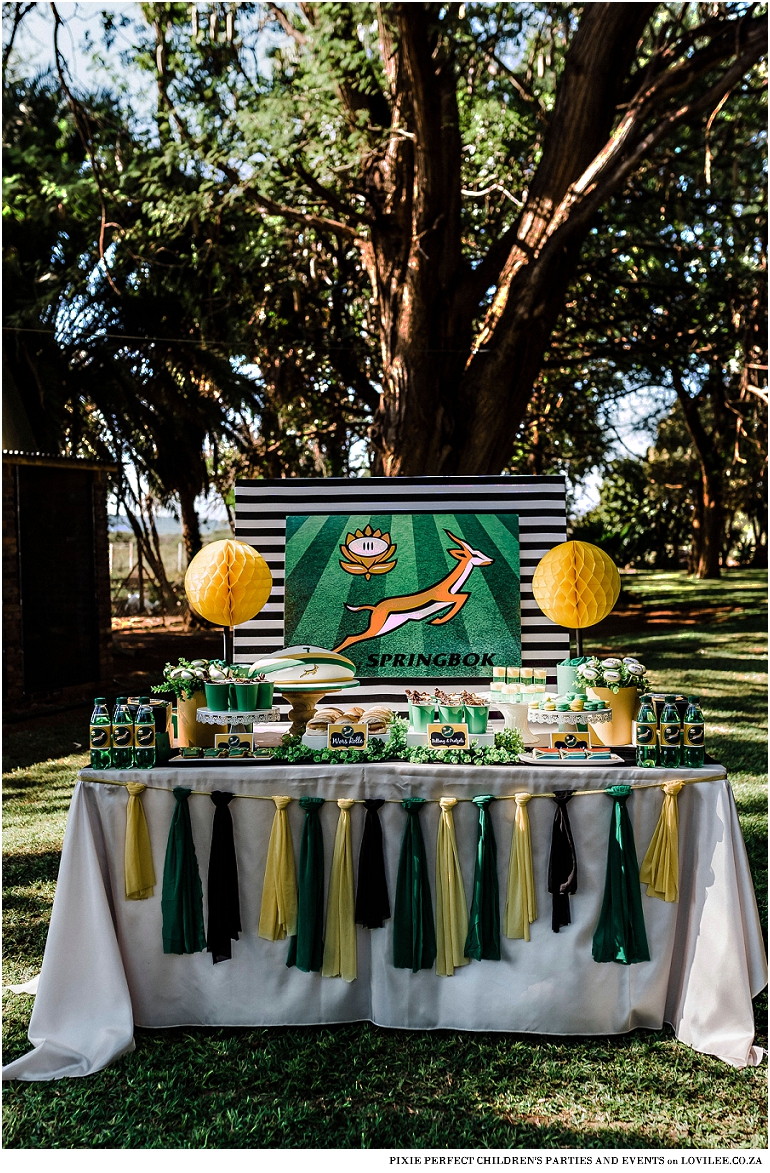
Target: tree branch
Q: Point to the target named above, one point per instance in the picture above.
(81, 122)
(286, 24)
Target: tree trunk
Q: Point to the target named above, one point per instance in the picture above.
(709, 555)
(191, 533)
(452, 404)
(708, 517)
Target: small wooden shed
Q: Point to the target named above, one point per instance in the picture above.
(57, 637)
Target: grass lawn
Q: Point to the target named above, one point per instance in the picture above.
(362, 1086)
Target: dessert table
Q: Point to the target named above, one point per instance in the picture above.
(104, 968)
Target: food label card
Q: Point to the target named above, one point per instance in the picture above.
(577, 739)
(446, 736)
(347, 736)
(234, 740)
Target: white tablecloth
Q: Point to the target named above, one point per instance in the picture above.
(104, 968)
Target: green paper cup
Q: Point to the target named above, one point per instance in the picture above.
(477, 717)
(421, 716)
(265, 694)
(217, 697)
(246, 697)
(452, 714)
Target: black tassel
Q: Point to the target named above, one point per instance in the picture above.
(372, 904)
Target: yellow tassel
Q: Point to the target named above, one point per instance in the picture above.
(278, 914)
(140, 873)
(451, 907)
(521, 904)
(340, 959)
(660, 867)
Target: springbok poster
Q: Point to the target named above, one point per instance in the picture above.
(406, 594)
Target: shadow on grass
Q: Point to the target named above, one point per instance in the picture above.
(30, 868)
(361, 1086)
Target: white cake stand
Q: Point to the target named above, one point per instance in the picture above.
(516, 718)
(237, 720)
(570, 717)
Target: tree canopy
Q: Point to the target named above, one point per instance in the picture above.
(418, 238)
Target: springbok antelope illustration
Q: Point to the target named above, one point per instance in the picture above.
(389, 614)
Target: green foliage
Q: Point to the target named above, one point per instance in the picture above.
(670, 301)
(508, 745)
(183, 689)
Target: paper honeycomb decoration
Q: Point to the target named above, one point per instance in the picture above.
(576, 584)
(228, 582)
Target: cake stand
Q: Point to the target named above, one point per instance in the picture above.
(304, 700)
(570, 717)
(237, 720)
(516, 718)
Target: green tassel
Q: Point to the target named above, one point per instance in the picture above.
(182, 899)
(414, 931)
(620, 934)
(306, 950)
(483, 941)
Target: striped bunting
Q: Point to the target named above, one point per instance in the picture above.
(260, 519)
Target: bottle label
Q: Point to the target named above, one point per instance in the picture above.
(645, 734)
(670, 734)
(144, 736)
(122, 736)
(694, 734)
(100, 737)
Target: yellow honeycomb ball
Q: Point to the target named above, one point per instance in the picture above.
(228, 582)
(576, 584)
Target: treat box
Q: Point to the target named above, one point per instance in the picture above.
(319, 740)
(482, 739)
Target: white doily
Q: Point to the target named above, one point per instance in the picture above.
(552, 717)
(230, 717)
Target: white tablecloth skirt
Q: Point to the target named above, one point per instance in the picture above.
(104, 968)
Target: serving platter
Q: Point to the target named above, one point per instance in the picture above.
(198, 763)
(529, 760)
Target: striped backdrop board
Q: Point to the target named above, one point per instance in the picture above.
(261, 509)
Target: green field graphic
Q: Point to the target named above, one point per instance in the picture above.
(411, 595)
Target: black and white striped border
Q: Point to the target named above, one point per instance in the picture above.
(260, 519)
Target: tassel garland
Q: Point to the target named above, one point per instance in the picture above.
(451, 908)
(620, 934)
(307, 947)
(224, 925)
(414, 934)
(521, 904)
(139, 870)
(483, 941)
(562, 863)
(372, 904)
(339, 959)
(660, 867)
(278, 912)
(182, 898)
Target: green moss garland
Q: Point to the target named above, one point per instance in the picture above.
(508, 745)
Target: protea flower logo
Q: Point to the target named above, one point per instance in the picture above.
(368, 552)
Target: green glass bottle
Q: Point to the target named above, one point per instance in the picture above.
(144, 735)
(670, 751)
(122, 736)
(646, 734)
(694, 749)
(100, 735)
